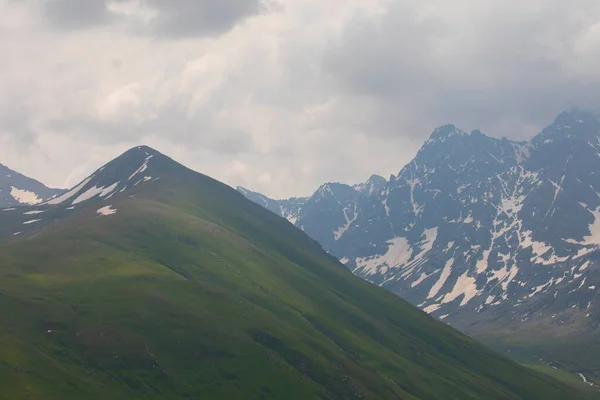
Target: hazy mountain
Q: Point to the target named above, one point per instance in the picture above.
(17, 189)
(289, 209)
(477, 229)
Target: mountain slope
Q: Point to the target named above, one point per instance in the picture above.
(179, 287)
(485, 233)
(289, 209)
(17, 189)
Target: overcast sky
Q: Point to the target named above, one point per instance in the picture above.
(281, 95)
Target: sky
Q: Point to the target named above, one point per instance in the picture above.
(280, 96)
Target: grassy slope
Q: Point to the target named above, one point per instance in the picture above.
(569, 356)
(194, 292)
(568, 377)
(537, 346)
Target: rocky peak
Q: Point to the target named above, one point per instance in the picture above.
(373, 184)
(445, 132)
(336, 190)
(570, 126)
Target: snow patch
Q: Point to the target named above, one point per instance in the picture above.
(25, 196)
(88, 194)
(505, 276)
(108, 210)
(465, 285)
(421, 279)
(412, 183)
(585, 379)
(96, 191)
(387, 208)
(584, 251)
(594, 237)
(443, 278)
(340, 232)
(430, 237)
(432, 308)
(109, 190)
(142, 168)
(69, 194)
(34, 212)
(482, 263)
(398, 253)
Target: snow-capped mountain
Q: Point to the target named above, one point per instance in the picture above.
(123, 176)
(17, 189)
(332, 208)
(476, 224)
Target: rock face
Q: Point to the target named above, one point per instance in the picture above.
(476, 228)
(17, 189)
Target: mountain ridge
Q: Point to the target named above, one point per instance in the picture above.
(17, 189)
(179, 287)
(478, 230)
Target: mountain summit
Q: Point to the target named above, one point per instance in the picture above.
(149, 280)
(121, 177)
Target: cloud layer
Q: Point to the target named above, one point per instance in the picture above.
(281, 96)
(168, 18)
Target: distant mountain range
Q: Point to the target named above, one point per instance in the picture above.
(148, 280)
(17, 189)
(490, 235)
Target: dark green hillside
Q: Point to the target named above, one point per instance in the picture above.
(190, 291)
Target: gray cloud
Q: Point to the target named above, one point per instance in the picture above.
(158, 18)
(313, 91)
(505, 69)
(17, 120)
(76, 13)
(180, 18)
(203, 130)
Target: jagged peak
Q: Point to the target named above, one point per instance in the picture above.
(574, 123)
(564, 118)
(371, 184)
(446, 131)
(477, 132)
(376, 178)
(329, 185)
(333, 189)
(575, 116)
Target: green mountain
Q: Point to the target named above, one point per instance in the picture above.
(151, 281)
